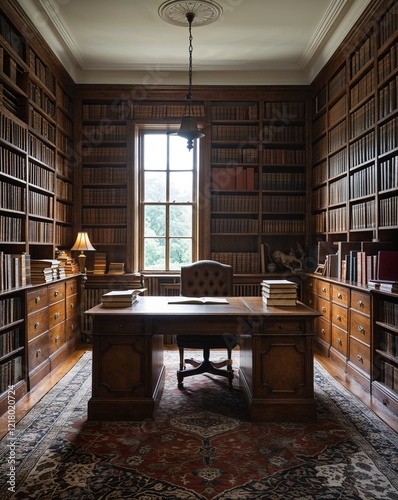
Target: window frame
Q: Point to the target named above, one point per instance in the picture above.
(167, 130)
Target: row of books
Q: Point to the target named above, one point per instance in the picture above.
(363, 88)
(11, 310)
(359, 261)
(41, 151)
(279, 293)
(12, 131)
(10, 373)
(99, 154)
(337, 136)
(12, 197)
(41, 177)
(389, 375)
(241, 262)
(389, 62)
(14, 270)
(362, 119)
(362, 150)
(388, 97)
(388, 136)
(9, 341)
(12, 164)
(104, 175)
(337, 111)
(41, 99)
(107, 132)
(228, 112)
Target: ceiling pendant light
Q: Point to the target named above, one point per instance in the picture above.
(189, 127)
(180, 13)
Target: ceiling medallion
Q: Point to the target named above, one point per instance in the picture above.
(175, 12)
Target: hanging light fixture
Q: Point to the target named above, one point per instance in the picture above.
(189, 127)
(180, 13)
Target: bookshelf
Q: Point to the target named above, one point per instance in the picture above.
(354, 136)
(385, 369)
(105, 199)
(258, 180)
(36, 186)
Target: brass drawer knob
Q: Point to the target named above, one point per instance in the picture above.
(338, 317)
(56, 315)
(339, 296)
(339, 341)
(324, 309)
(36, 325)
(361, 303)
(56, 293)
(361, 329)
(72, 305)
(324, 289)
(37, 299)
(323, 331)
(56, 339)
(38, 352)
(359, 358)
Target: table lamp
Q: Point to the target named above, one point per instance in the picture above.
(82, 243)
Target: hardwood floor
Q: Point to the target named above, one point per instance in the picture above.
(28, 401)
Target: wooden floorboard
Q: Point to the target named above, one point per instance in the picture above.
(27, 402)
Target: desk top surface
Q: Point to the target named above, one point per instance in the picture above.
(236, 306)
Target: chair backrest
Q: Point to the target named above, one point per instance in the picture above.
(206, 278)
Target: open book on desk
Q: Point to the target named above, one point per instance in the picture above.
(198, 300)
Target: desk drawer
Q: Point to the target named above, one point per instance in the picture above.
(71, 304)
(57, 337)
(118, 324)
(340, 316)
(340, 295)
(360, 355)
(323, 289)
(39, 350)
(323, 330)
(37, 300)
(56, 292)
(282, 326)
(323, 306)
(72, 328)
(56, 314)
(37, 323)
(360, 327)
(360, 302)
(71, 287)
(340, 340)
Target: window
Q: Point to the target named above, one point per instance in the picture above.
(168, 200)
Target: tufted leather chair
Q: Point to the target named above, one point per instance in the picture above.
(206, 278)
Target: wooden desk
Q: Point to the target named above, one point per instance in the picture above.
(276, 355)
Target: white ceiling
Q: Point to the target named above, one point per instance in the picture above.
(254, 42)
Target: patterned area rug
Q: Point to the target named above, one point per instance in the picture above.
(200, 445)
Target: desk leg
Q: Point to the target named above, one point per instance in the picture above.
(128, 376)
(276, 375)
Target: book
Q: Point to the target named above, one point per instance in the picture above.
(280, 302)
(387, 268)
(279, 283)
(198, 300)
(120, 303)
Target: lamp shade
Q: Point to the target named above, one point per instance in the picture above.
(82, 243)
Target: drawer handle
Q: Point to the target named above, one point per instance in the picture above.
(310, 301)
(360, 303)
(38, 352)
(324, 309)
(311, 285)
(339, 341)
(56, 315)
(338, 317)
(36, 325)
(72, 305)
(339, 295)
(56, 293)
(72, 327)
(359, 358)
(323, 289)
(56, 339)
(361, 329)
(323, 331)
(72, 287)
(37, 299)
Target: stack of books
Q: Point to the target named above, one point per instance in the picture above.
(44, 270)
(279, 292)
(120, 298)
(384, 285)
(116, 268)
(100, 263)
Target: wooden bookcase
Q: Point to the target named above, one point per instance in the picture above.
(354, 135)
(36, 189)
